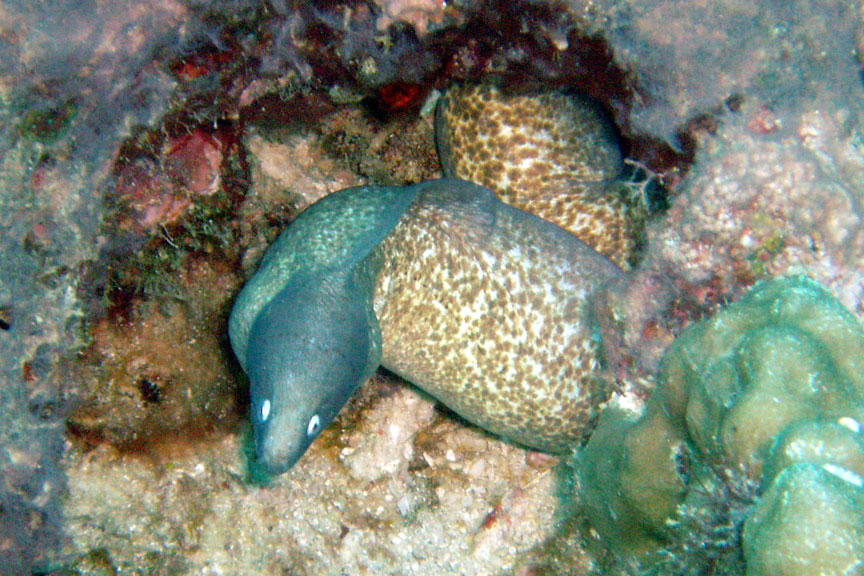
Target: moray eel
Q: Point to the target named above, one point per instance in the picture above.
(477, 302)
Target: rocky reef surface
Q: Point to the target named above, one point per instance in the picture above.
(152, 151)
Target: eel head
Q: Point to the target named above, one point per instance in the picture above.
(309, 349)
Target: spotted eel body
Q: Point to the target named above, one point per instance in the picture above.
(552, 154)
(483, 306)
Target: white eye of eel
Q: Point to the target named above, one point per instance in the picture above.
(265, 410)
(314, 425)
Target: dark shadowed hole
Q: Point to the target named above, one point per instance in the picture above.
(150, 391)
(5, 318)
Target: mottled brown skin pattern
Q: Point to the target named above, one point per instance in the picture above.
(484, 307)
(550, 154)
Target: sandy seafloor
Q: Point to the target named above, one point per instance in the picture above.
(772, 95)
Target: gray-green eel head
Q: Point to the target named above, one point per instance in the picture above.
(303, 327)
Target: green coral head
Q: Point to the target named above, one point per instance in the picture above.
(757, 421)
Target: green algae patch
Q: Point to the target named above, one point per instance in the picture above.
(750, 446)
(47, 124)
